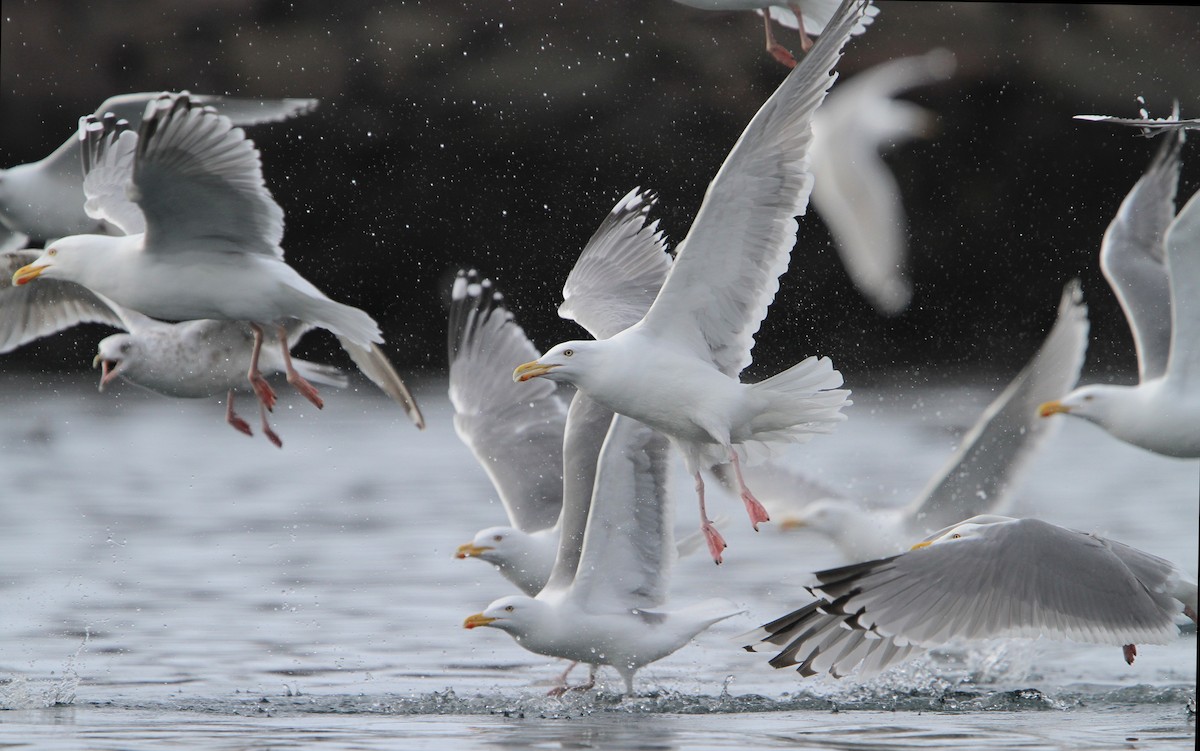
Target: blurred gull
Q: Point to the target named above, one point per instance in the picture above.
(808, 17)
(42, 199)
(193, 359)
(203, 238)
(983, 578)
(1151, 258)
(853, 190)
(677, 368)
(1150, 126)
(981, 475)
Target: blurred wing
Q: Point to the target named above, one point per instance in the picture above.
(1150, 126)
(1018, 578)
(107, 148)
(629, 546)
(376, 366)
(619, 272)
(1183, 259)
(35, 310)
(515, 431)
(727, 269)
(199, 179)
(982, 473)
(11, 240)
(817, 14)
(1133, 257)
(241, 111)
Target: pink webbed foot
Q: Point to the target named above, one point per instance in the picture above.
(1130, 653)
(304, 387)
(262, 389)
(266, 428)
(782, 55)
(232, 418)
(716, 543)
(754, 509)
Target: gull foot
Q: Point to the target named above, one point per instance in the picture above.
(270, 434)
(306, 389)
(781, 53)
(264, 392)
(757, 513)
(1130, 652)
(240, 425)
(716, 543)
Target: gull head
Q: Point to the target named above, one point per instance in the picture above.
(970, 529)
(830, 516)
(62, 259)
(494, 545)
(513, 613)
(113, 356)
(565, 362)
(1092, 403)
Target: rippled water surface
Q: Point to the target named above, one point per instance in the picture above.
(168, 583)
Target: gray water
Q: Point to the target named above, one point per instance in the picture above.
(168, 583)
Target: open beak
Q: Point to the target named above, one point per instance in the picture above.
(27, 274)
(479, 619)
(1053, 408)
(920, 545)
(531, 370)
(106, 374)
(470, 550)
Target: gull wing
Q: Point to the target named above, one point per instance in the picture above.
(376, 366)
(1151, 126)
(241, 111)
(817, 14)
(629, 546)
(982, 473)
(1183, 260)
(620, 270)
(854, 191)
(107, 152)
(727, 269)
(199, 180)
(515, 431)
(1133, 257)
(35, 310)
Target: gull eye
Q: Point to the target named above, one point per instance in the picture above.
(497, 538)
(568, 352)
(52, 252)
(956, 536)
(508, 608)
(1088, 398)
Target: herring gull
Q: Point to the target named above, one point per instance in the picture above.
(1151, 259)
(604, 603)
(808, 17)
(981, 475)
(203, 234)
(696, 338)
(41, 199)
(983, 578)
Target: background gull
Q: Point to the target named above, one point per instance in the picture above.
(1151, 259)
(40, 199)
(677, 368)
(854, 191)
(986, 577)
(204, 236)
(981, 475)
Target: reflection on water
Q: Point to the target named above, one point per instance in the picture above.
(173, 583)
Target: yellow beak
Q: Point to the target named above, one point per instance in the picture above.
(27, 274)
(470, 550)
(531, 370)
(920, 545)
(792, 522)
(479, 619)
(1053, 408)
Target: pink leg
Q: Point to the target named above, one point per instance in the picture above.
(266, 395)
(266, 428)
(232, 418)
(560, 684)
(716, 543)
(806, 41)
(753, 507)
(776, 50)
(294, 378)
(1130, 652)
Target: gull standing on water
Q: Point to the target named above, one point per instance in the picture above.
(42, 199)
(203, 238)
(983, 578)
(677, 368)
(1151, 258)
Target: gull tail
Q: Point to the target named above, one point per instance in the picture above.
(803, 400)
(326, 375)
(345, 321)
(375, 365)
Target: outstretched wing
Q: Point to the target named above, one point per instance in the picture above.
(107, 148)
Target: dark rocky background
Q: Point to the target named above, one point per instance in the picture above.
(498, 134)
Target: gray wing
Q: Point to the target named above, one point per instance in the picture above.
(1150, 126)
(620, 270)
(199, 179)
(629, 546)
(35, 310)
(515, 431)
(107, 149)
(1133, 257)
(981, 475)
(727, 269)
(376, 366)
(240, 110)
(1183, 258)
(817, 14)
